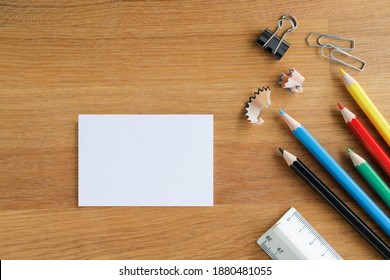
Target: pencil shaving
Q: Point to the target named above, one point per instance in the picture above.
(260, 100)
(291, 81)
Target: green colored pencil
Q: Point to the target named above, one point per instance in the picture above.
(370, 176)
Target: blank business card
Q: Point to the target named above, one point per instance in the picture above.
(145, 160)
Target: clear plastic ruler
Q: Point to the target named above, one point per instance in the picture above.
(293, 238)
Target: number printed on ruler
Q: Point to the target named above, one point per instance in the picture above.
(293, 238)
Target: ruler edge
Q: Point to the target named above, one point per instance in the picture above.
(307, 224)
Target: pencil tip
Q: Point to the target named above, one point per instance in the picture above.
(281, 151)
(342, 71)
(281, 112)
(340, 106)
(356, 159)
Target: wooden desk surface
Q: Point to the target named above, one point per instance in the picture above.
(59, 59)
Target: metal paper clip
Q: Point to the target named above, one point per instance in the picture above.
(338, 50)
(323, 35)
(272, 42)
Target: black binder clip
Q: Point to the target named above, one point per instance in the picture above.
(272, 43)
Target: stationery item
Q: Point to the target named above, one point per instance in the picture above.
(145, 160)
(334, 52)
(371, 176)
(291, 81)
(274, 44)
(260, 100)
(367, 106)
(337, 41)
(338, 205)
(293, 238)
(338, 173)
(335, 49)
(366, 138)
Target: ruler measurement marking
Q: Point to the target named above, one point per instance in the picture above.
(292, 237)
(269, 252)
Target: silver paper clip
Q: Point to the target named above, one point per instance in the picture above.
(323, 35)
(332, 57)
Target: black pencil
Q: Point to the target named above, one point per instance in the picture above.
(344, 211)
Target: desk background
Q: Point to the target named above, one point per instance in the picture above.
(59, 59)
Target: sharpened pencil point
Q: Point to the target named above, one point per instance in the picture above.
(340, 106)
(281, 151)
(288, 157)
(356, 159)
(292, 124)
(342, 71)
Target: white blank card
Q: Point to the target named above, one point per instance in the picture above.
(145, 160)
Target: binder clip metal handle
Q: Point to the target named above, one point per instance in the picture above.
(274, 44)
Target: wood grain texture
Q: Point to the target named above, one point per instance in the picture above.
(59, 59)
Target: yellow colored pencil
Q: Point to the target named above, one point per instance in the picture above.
(367, 106)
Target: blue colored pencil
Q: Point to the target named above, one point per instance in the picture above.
(338, 173)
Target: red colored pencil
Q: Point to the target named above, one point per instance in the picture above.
(366, 138)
